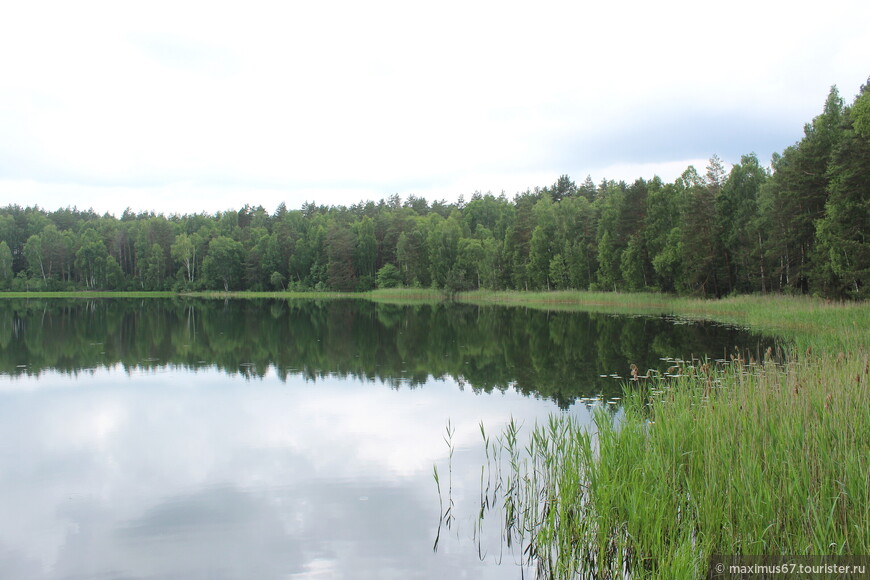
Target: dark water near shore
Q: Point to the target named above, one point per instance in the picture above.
(274, 439)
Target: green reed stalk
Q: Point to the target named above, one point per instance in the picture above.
(743, 458)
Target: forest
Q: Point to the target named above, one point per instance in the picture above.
(800, 226)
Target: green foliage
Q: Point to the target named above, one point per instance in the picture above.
(389, 277)
(699, 242)
(33, 253)
(154, 269)
(633, 264)
(749, 457)
(365, 252)
(844, 232)
(277, 280)
(443, 244)
(114, 274)
(340, 251)
(91, 260)
(558, 273)
(797, 193)
(737, 208)
(737, 459)
(5, 265)
(860, 113)
(223, 265)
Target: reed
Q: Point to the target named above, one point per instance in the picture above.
(746, 457)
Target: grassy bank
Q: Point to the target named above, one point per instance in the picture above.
(742, 458)
(756, 460)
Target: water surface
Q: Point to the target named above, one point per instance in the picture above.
(274, 439)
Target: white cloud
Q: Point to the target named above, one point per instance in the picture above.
(110, 471)
(289, 99)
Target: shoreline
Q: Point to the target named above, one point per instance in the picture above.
(811, 323)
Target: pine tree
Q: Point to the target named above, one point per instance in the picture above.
(844, 233)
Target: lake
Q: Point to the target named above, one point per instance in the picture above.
(157, 438)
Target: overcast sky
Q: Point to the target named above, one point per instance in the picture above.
(183, 107)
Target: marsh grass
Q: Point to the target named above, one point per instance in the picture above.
(753, 456)
(737, 458)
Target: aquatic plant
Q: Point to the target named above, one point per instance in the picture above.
(729, 457)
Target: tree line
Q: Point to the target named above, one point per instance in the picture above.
(800, 226)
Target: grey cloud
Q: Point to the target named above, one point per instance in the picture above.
(669, 135)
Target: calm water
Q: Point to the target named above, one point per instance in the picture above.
(274, 439)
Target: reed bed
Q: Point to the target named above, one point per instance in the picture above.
(736, 458)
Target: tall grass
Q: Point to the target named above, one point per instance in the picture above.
(746, 457)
